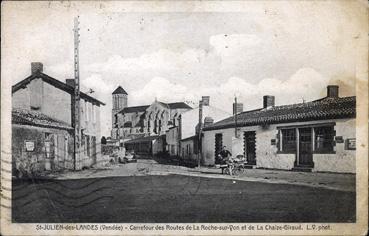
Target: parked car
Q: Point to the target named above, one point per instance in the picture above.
(128, 158)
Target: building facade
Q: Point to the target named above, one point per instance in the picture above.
(311, 136)
(48, 96)
(149, 120)
(40, 143)
(182, 139)
(120, 101)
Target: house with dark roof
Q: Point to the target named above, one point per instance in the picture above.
(310, 136)
(40, 93)
(130, 122)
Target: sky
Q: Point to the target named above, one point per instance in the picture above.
(182, 51)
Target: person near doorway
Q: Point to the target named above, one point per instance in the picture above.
(227, 158)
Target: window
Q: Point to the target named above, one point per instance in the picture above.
(93, 113)
(324, 139)
(288, 140)
(88, 146)
(172, 149)
(85, 110)
(90, 111)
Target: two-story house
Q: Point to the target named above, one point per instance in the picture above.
(40, 97)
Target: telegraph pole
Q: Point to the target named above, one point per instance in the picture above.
(235, 117)
(200, 131)
(76, 100)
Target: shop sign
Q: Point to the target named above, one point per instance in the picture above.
(338, 139)
(351, 143)
(273, 141)
(30, 146)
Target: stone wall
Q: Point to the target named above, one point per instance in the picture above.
(37, 160)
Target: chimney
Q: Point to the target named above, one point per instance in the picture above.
(268, 101)
(237, 108)
(70, 82)
(205, 100)
(36, 67)
(332, 91)
(208, 121)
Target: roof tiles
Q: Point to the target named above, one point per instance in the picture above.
(325, 108)
(34, 118)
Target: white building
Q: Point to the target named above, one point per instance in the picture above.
(187, 129)
(311, 136)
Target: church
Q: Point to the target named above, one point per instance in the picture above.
(131, 122)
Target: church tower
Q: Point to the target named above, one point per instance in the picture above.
(120, 100)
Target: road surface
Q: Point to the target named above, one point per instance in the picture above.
(176, 198)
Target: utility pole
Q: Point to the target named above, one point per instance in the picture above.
(200, 132)
(235, 117)
(76, 100)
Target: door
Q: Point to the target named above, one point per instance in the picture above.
(94, 160)
(218, 147)
(249, 147)
(305, 147)
(61, 152)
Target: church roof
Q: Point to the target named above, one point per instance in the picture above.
(178, 105)
(174, 105)
(120, 90)
(134, 109)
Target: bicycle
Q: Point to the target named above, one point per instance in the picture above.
(235, 168)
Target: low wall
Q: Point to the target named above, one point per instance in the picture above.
(334, 163)
(36, 160)
(279, 161)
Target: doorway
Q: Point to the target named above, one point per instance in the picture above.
(305, 150)
(249, 147)
(218, 147)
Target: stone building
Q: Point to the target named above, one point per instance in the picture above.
(120, 101)
(40, 143)
(310, 136)
(132, 122)
(42, 94)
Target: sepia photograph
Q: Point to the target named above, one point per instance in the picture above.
(184, 117)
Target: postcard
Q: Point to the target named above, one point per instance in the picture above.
(184, 118)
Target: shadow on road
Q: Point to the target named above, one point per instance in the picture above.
(165, 159)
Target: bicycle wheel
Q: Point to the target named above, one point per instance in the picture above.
(226, 171)
(236, 171)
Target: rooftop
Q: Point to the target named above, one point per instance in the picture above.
(178, 105)
(134, 109)
(34, 118)
(63, 86)
(174, 105)
(143, 139)
(321, 109)
(120, 90)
